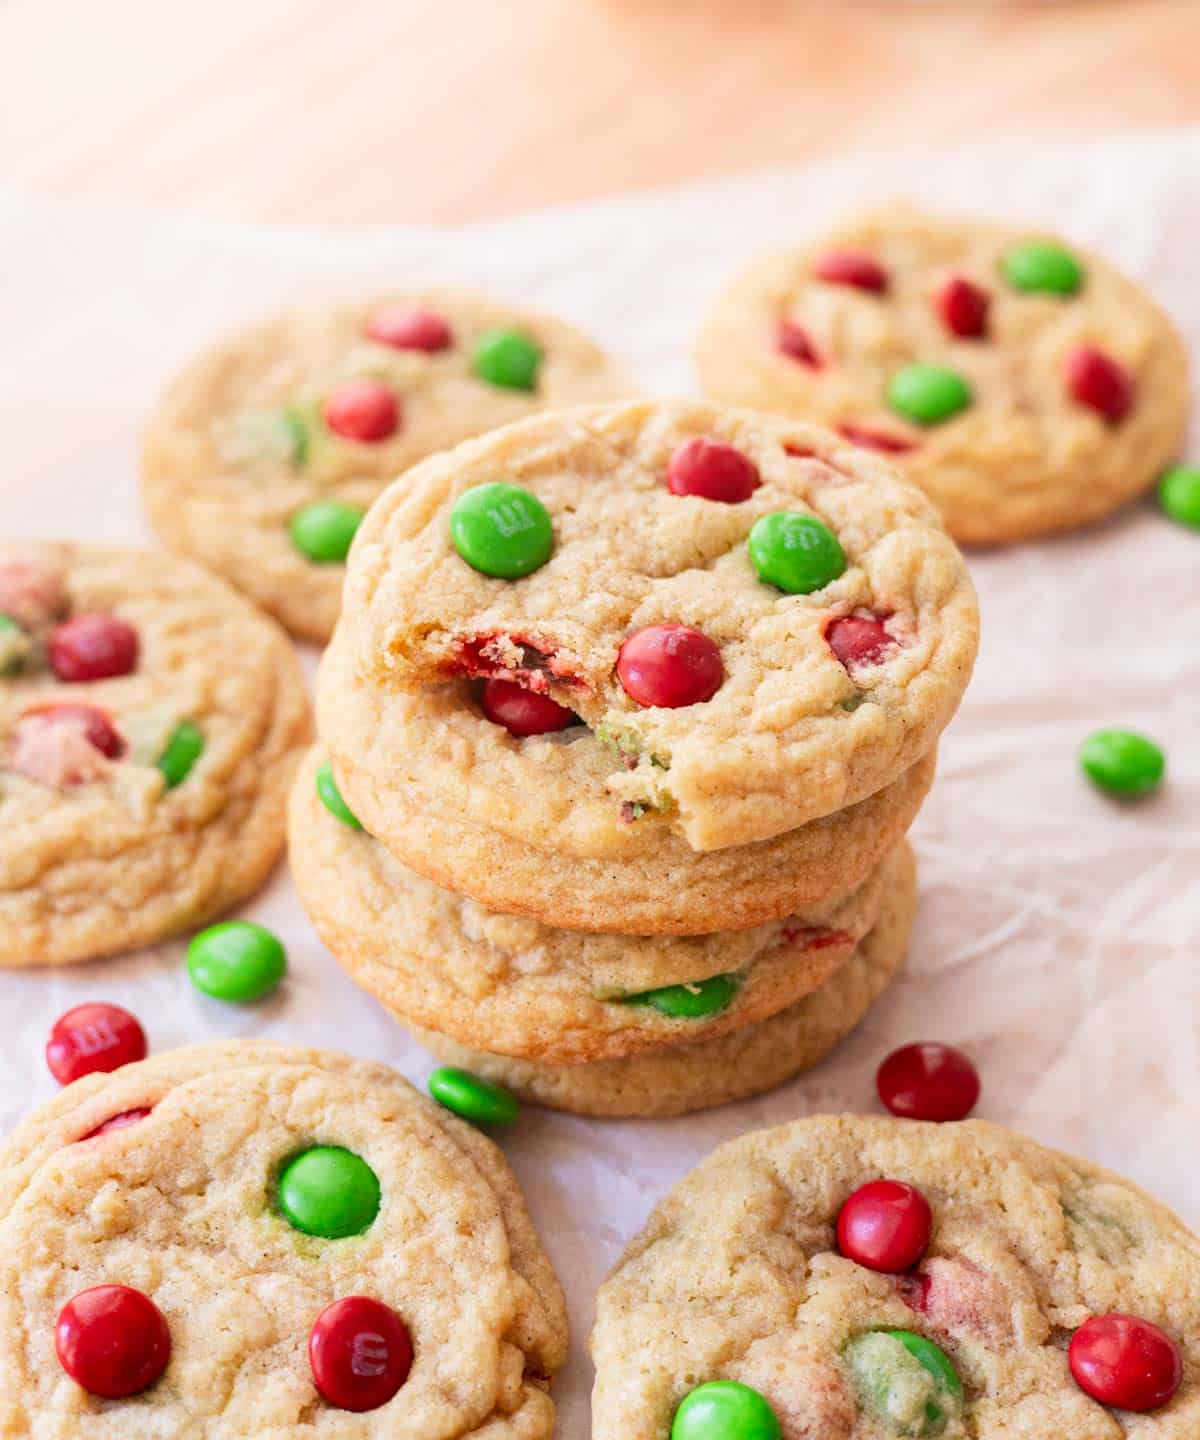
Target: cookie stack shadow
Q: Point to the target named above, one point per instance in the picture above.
(507, 900)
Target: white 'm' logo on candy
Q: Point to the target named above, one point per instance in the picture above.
(91, 1039)
(368, 1355)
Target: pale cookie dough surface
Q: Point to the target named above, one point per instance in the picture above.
(731, 1067)
(222, 472)
(737, 1277)
(789, 736)
(529, 827)
(118, 859)
(1025, 458)
(511, 985)
(179, 1205)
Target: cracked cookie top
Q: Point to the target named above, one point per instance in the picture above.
(762, 623)
(868, 1279)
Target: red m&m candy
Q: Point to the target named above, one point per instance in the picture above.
(928, 1082)
(93, 1037)
(97, 728)
(1098, 381)
(123, 1121)
(520, 711)
(113, 1341)
(93, 647)
(858, 640)
(795, 342)
(363, 410)
(404, 328)
(885, 1225)
(360, 1352)
(852, 267)
(712, 470)
(880, 440)
(963, 306)
(670, 666)
(1125, 1362)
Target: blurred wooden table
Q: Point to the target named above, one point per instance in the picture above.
(376, 111)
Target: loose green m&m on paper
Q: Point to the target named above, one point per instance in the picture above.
(906, 1381)
(507, 358)
(472, 1097)
(1122, 762)
(1040, 266)
(183, 749)
(928, 394)
(331, 797)
(690, 1002)
(236, 961)
(330, 1192)
(725, 1410)
(1179, 494)
(798, 553)
(501, 530)
(323, 530)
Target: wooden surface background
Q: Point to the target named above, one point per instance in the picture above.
(377, 111)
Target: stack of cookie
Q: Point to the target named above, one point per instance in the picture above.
(625, 720)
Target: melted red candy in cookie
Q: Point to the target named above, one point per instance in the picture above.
(713, 471)
(859, 640)
(1125, 1362)
(113, 1341)
(31, 596)
(1099, 382)
(852, 267)
(928, 1082)
(885, 1225)
(503, 656)
(963, 307)
(93, 647)
(876, 439)
(814, 937)
(117, 1122)
(64, 745)
(93, 1037)
(363, 410)
(958, 1298)
(670, 666)
(522, 712)
(794, 341)
(404, 328)
(360, 1352)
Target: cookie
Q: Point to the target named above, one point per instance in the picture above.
(514, 986)
(870, 1278)
(1023, 383)
(733, 1066)
(199, 1199)
(752, 659)
(150, 724)
(451, 794)
(267, 449)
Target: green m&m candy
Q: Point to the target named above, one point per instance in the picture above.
(906, 1381)
(184, 748)
(1122, 762)
(1179, 494)
(690, 1002)
(13, 645)
(472, 1097)
(323, 530)
(798, 553)
(725, 1410)
(501, 530)
(928, 394)
(331, 797)
(1040, 266)
(236, 961)
(507, 358)
(329, 1191)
